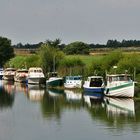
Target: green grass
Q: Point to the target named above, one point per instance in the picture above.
(87, 59)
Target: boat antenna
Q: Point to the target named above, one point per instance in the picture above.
(54, 63)
(134, 73)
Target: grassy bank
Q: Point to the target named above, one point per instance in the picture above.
(92, 63)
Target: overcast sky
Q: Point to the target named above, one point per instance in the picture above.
(90, 21)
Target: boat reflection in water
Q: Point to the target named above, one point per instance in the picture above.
(8, 86)
(119, 107)
(93, 99)
(73, 95)
(55, 92)
(35, 92)
(21, 88)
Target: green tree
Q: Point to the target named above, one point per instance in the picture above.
(111, 60)
(77, 48)
(50, 57)
(54, 44)
(6, 50)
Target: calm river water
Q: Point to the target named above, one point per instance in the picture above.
(33, 113)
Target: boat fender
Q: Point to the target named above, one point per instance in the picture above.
(107, 91)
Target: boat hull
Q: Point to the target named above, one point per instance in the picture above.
(72, 86)
(125, 90)
(1, 76)
(8, 77)
(55, 82)
(36, 80)
(94, 89)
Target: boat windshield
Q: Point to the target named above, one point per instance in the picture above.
(96, 82)
(73, 78)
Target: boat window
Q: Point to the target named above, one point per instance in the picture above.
(124, 78)
(39, 71)
(77, 78)
(119, 78)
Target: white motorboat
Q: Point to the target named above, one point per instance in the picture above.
(36, 76)
(94, 84)
(9, 74)
(73, 82)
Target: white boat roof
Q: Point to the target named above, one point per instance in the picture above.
(74, 76)
(35, 68)
(8, 69)
(114, 75)
(95, 77)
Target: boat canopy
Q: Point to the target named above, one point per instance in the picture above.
(10, 69)
(52, 74)
(119, 77)
(37, 69)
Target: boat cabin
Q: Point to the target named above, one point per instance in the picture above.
(52, 74)
(118, 77)
(73, 78)
(95, 81)
(35, 70)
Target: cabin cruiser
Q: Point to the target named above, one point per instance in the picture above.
(73, 82)
(9, 74)
(21, 76)
(36, 76)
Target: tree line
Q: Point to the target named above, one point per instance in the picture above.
(110, 44)
(77, 47)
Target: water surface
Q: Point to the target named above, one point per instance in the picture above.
(33, 112)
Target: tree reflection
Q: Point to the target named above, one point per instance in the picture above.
(6, 99)
(55, 101)
(51, 107)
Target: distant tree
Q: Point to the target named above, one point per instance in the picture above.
(77, 48)
(27, 46)
(54, 44)
(6, 50)
(113, 44)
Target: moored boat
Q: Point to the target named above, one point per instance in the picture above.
(119, 85)
(1, 73)
(94, 84)
(54, 80)
(21, 76)
(73, 82)
(9, 74)
(36, 76)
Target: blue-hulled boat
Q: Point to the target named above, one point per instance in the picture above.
(94, 84)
